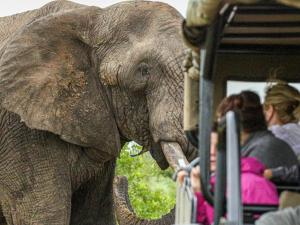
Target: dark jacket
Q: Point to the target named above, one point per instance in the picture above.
(287, 174)
(268, 149)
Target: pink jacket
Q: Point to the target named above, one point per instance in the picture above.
(255, 190)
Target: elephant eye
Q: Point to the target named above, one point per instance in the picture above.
(144, 70)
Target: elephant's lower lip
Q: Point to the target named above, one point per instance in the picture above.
(174, 154)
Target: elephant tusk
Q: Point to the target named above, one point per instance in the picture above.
(174, 155)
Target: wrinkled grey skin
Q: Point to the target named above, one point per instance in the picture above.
(75, 83)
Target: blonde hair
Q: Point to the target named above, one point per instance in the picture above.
(286, 101)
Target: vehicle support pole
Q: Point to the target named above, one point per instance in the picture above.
(234, 204)
(220, 184)
(205, 118)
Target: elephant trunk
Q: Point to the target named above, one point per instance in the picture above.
(2, 219)
(124, 211)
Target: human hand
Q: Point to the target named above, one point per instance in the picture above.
(268, 174)
(213, 163)
(194, 176)
(195, 179)
(213, 151)
(181, 175)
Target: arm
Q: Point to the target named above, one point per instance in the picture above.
(284, 174)
(201, 209)
(201, 216)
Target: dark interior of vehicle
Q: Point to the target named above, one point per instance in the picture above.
(245, 43)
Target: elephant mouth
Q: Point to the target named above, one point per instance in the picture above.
(167, 154)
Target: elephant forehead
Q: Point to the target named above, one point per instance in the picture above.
(138, 23)
(142, 17)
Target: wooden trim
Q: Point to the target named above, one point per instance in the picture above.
(261, 30)
(261, 41)
(271, 18)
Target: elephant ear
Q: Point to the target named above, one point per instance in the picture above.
(48, 78)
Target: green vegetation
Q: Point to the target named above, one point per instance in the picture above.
(151, 190)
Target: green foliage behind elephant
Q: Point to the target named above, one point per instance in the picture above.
(151, 190)
(76, 82)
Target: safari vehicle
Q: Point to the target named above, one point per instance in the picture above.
(244, 40)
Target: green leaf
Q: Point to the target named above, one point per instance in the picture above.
(151, 190)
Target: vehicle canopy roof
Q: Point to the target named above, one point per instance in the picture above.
(252, 42)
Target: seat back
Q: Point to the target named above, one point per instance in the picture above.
(289, 199)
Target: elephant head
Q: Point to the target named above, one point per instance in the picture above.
(143, 71)
(96, 77)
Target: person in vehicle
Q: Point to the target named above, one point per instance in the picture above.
(213, 147)
(255, 188)
(259, 147)
(256, 140)
(282, 113)
(288, 216)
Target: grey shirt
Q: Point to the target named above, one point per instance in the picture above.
(290, 133)
(271, 151)
(288, 216)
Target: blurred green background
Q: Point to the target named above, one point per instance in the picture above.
(151, 190)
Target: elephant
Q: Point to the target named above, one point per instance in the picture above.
(76, 83)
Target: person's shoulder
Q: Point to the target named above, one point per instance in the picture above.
(258, 141)
(268, 140)
(271, 140)
(292, 128)
(265, 143)
(285, 129)
(270, 144)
